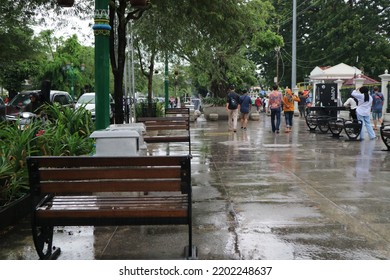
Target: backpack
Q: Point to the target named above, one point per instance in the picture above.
(233, 102)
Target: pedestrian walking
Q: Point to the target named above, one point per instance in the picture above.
(288, 108)
(245, 107)
(232, 104)
(363, 111)
(265, 104)
(302, 105)
(258, 104)
(274, 104)
(377, 106)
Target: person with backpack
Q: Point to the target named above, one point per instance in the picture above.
(275, 103)
(245, 107)
(377, 106)
(232, 104)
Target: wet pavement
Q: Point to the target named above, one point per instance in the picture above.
(256, 195)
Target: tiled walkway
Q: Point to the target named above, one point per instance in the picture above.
(257, 195)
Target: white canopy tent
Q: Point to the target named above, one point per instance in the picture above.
(340, 71)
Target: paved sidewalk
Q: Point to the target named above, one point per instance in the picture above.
(257, 195)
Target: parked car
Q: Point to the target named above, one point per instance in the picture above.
(18, 104)
(89, 101)
(2, 110)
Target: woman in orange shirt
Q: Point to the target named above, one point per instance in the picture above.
(288, 108)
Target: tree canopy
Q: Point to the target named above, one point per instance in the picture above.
(330, 32)
(219, 41)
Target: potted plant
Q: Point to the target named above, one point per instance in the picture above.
(215, 105)
(65, 3)
(66, 133)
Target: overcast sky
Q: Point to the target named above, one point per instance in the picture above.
(68, 26)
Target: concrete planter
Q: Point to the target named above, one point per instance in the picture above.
(254, 116)
(218, 110)
(213, 117)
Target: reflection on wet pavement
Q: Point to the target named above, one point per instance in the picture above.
(257, 195)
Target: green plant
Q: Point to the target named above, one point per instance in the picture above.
(16, 145)
(66, 132)
(141, 109)
(214, 101)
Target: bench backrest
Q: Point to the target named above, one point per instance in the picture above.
(85, 174)
(166, 123)
(177, 111)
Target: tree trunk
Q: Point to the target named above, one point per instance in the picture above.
(150, 84)
(118, 57)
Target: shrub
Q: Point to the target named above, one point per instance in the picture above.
(214, 101)
(65, 133)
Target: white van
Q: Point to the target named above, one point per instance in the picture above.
(88, 100)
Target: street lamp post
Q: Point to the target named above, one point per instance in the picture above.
(102, 31)
(175, 82)
(71, 75)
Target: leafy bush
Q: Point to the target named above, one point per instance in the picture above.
(214, 101)
(65, 133)
(141, 109)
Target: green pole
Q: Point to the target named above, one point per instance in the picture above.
(102, 35)
(166, 82)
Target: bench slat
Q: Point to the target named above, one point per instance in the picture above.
(111, 186)
(111, 162)
(166, 127)
(113, 206)
(161, 212)
(60, 174)
(168, 118)
(166, 139)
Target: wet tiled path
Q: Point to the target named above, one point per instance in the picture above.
(257, 195)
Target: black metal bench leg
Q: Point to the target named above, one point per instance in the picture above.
(353, 129)
(43, 241)
(190, 251)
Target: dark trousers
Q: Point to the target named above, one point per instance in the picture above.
(289, 118)
(275, 115)
(352, 113)
(302, 110)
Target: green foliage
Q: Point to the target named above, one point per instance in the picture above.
(66, 53)
(214, 101)
(154, 109)
(331, 32)
(66, 133)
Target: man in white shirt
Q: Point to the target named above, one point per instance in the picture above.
(351, 103)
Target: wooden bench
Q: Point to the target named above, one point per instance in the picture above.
(169, 129)
(185, 112)
(385, 135)
(105, 191)
(352, 128)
